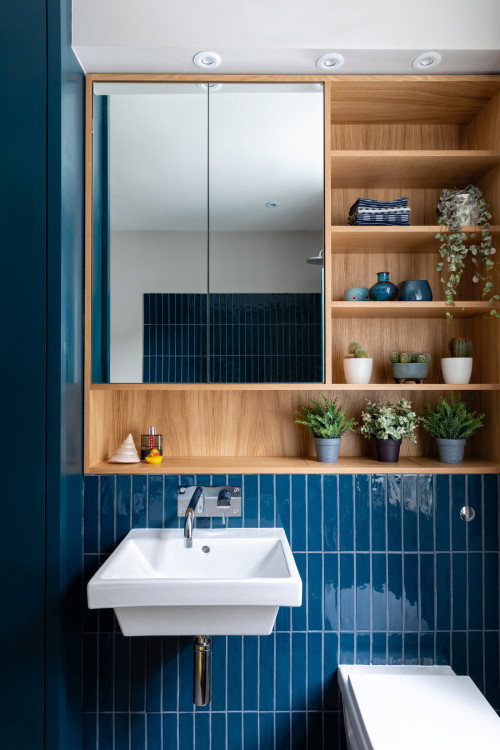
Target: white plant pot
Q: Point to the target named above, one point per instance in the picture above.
(466, 209)
(456, 370)
(358, 370)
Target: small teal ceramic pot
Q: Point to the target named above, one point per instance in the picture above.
(384, 290)
(415, 291)
(357, 294)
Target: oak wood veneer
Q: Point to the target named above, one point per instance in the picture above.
(385, 136)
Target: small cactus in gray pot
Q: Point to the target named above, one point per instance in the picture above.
(409, 367)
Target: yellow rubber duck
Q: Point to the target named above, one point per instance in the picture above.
(154, 457)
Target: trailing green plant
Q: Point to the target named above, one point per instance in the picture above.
(356, 350)
(414, 357)
(452, 420)
(325, 419)
(460, 347)
(387, 420)
(454, 251)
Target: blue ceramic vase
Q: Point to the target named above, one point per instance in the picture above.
(415, 291)
(384, 290)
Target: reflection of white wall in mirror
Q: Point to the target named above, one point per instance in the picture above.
(139, 264)
(162, 262)
(265, 142)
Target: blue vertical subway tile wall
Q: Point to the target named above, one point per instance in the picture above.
(252, 338)
(391, 575)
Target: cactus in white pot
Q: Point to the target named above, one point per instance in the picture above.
(357, 366)
(457, 369)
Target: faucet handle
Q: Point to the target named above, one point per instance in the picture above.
(224, 499)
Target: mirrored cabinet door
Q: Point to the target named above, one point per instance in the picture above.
(266, 219)
(207, 233)
(150, 252)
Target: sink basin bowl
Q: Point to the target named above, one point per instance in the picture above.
(231, 582)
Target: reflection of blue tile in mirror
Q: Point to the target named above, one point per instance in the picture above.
(254, 338)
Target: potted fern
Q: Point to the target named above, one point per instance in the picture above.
(326, 422)
(456, 210)
(451, 423)
(388, 424)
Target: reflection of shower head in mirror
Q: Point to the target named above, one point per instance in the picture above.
(317, 260)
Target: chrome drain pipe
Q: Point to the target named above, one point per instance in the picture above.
(202, 670)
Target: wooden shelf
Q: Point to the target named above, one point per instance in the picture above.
(409, 99)
(412, 239)
(292, 465)
(295, 387)
(410, 169)
(341, 309)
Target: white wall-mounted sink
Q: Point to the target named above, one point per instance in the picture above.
(231, 582)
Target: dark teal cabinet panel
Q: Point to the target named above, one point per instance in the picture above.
(23, 138)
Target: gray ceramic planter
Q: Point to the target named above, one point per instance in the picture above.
(404, 371)
(451, 451)
(327, 449)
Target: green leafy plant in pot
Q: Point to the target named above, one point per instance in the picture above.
(457, 209)
(451, 423)
(388, 424)
(326, 422)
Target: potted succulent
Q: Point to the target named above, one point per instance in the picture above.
(451, 423)
(457, 369)
(406, 367)
(358, 366)
(326, 422)
(388, 424)
(457, 209)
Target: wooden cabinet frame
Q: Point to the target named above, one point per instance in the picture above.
(383, 135)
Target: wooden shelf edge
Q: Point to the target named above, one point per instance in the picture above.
(395, 309)
(298, 387)
(297, 465)
(414, 153)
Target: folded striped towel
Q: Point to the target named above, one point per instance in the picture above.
(370, 203)
(368, 212)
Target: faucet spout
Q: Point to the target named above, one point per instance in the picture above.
(196, 502)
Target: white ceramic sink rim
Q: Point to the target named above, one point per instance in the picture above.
(245, 567)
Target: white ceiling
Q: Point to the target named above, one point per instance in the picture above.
(285, 36)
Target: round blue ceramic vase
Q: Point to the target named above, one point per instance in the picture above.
(384, 290)
(415, 291)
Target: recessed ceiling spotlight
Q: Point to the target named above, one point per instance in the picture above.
(206, 60)
(330, 62)
(272, 204)
(210, 86)
(427, 60)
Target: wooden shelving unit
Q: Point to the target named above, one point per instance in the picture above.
(386, 136)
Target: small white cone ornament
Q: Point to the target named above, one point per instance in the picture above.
(126, 453)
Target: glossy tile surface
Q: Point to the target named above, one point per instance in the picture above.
(254, 338)
(390, 575)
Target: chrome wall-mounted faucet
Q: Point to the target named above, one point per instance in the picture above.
(196, 502)
(207, 502)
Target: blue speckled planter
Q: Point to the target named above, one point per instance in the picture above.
(384, 290)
